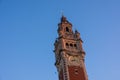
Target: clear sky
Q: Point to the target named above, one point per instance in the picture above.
(28, 29)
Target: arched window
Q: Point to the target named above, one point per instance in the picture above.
(71, 45)
(67, 29)
(67, 45)
(75, 45)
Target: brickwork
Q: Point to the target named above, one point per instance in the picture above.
(76, 73)
(69, 53)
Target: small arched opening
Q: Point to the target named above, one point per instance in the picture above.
(67, 29)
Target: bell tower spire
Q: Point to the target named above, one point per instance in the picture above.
(69, 53)
(63, 19)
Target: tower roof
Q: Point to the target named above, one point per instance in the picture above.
(63, 19)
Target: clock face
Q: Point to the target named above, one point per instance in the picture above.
(74, 60)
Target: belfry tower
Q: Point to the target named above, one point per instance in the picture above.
(69, 53)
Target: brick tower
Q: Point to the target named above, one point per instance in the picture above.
(69, 53)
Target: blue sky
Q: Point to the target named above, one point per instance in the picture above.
(28, 29)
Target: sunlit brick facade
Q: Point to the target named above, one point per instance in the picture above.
(69, 53)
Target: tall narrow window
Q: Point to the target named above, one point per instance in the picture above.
(71, 45)
(75, 45)
(67, 29)
(67, 45)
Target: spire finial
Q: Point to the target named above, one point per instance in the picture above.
(62, 13)
(63, 18)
